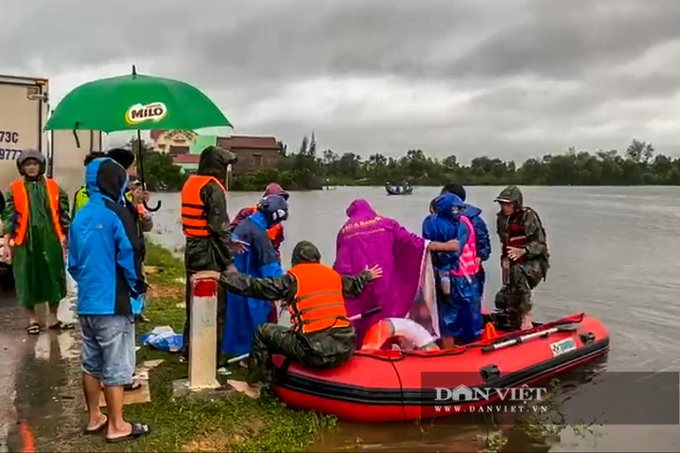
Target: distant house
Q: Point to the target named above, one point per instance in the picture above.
(253, 152)
(175, 142)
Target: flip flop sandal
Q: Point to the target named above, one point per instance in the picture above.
(61, 326)
(138, 430)
(98, 429)
(33, 329)
(132, 387)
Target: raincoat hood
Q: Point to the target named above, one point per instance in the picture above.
(28, 154)
(470, 211)
(274, 209)
(275, 189)
(455, 189)
(511, 194)
(445, 205)
(305, 252)
(214, 162)
(367, 239)
(125, 157)
(106, 177)
(360, 208)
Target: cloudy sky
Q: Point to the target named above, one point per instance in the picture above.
(511, 79)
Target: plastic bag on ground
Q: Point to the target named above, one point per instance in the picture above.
(163, 338)
(67, 311)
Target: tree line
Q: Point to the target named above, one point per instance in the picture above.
(639, 164)
(308, 168)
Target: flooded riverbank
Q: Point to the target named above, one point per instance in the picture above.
(613, 254)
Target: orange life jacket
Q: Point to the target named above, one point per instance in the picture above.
(21, 204)
(319, 303)
(193, 211)
(275, 231)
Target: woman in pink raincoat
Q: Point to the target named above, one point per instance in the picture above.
(368, 239)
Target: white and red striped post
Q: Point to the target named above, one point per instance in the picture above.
(203, 336)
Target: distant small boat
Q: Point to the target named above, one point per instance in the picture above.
(399, 190)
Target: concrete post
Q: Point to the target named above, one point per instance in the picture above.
(203, 336)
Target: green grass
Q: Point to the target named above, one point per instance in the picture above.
(237, 424)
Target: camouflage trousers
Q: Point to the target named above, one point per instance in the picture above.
(515, 296)
(325, 349)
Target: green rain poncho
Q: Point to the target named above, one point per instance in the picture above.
(38, 263)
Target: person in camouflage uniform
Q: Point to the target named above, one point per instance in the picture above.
(325, 339)
(524, 256)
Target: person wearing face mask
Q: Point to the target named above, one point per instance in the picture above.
(245, 314)
(524, 259)
(458, 297)
(36, 221)
(276, 232)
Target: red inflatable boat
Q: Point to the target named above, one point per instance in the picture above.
(388, 385)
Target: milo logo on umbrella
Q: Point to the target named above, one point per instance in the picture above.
(140, 113)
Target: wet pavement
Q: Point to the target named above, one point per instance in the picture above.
(40, 407)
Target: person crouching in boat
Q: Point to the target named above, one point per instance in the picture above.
(368, 239)
(524, 259)
(459, 302)
(321, 335)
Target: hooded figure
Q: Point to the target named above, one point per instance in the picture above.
(205, 223)
(275, 233)
(81, 197)
(107, 265)
(481, 230)
(459, 301)
(321, 335)
(245, 315)
(367, 239)
(524, 258)
(104, 260)
(36, 222)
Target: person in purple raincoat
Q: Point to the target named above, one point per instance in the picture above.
(368, 239)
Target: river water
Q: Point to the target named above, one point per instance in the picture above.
(615, 254)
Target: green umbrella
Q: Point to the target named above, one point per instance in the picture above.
(136, 102)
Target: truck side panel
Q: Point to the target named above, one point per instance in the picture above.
(23, 109)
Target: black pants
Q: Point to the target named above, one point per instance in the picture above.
(221, 316)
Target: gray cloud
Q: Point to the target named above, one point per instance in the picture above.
(512, 79)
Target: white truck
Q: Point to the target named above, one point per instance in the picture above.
(24, 109)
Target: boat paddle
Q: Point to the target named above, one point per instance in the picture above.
(351, 318)
(569, 327)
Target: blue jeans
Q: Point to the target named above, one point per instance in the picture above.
(108, 348)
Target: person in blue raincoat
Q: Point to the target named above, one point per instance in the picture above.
(483, 241)
(458, 297)
(245, 315)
